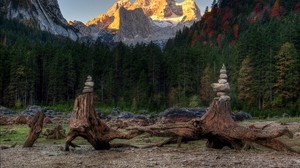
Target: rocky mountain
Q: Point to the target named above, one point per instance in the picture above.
(42, 14)
(147, 20)
(141, 21)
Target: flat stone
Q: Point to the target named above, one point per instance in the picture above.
(223, 76)
(89, 79)
(219, 94)
(87, 90)
(222, 81)
(223, 71)
(224, 98)
(220, 87)
(90, 84)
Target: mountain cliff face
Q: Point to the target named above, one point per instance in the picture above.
(42, 14)
(152, 20)
(157, 10)
(133, 24)
(141, 21)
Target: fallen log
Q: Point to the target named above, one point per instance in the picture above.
(36, 126)
(221, 130)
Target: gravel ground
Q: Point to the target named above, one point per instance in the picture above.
(53, 156)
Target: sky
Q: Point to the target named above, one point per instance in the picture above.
(84, 10)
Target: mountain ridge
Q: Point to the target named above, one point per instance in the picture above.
(161, 18)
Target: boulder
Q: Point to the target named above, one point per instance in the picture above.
(6, 111)
(32, 110)
(180, 114)
(241, 116)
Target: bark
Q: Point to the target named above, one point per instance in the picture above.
(36, 126)
(220, 130)
(57, 133)
(85, 123)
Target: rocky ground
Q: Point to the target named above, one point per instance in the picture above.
(54, 157)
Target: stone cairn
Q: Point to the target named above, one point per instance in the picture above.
(88, 85)
(222, 87)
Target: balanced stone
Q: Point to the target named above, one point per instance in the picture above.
(222, 81)
(88, 85)
(222, 87)
(223, 76)
(89, 79)
(219, 94)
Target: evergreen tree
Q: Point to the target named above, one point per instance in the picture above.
(206, 93)
(287, 66)
(245, 83)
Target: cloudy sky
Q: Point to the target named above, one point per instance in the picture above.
(84, 10)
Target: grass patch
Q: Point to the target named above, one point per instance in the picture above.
(13, 134)
(17, 134)
(283, 120)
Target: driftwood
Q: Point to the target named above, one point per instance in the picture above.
(56, 133)
(220, 130)
(36, 126)
(85, 123)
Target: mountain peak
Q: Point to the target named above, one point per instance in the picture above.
(42, 14)
(157, 10)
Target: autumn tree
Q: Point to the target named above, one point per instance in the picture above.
(275, 10)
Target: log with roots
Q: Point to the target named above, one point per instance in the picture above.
(220, 130)
(85, 123)
(36, 126)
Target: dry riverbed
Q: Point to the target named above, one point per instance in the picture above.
(54, 156)
(193, 154)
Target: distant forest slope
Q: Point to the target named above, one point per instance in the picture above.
(258, 41)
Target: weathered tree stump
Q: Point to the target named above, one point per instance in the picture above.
(57, 133)
(220, 130)
(85, 123)
(36, 126)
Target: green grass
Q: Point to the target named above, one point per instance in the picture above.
(17, 134)
(13, 134)
(283, 120)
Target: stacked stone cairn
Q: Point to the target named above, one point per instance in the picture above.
(222, 87)
(88, 85)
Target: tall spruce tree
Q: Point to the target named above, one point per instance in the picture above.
(245, 83)
(287, 70)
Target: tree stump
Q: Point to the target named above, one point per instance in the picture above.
(85, 123)
(220, 130)
(36, 126)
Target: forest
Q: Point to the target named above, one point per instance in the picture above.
(259, 43)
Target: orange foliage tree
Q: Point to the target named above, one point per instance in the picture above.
(275, 9)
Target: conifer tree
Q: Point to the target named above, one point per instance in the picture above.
(287, 66)
(245, 82)
(205, 89)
